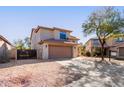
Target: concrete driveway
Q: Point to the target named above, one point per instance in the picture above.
(93, 74)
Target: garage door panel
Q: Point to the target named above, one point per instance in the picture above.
(60, 52)
(121, 51)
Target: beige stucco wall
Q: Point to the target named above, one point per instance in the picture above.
(89, 46)
(3, 44)
(13, 53)
(67, 34)
(39, 52)
(44, 34)
(35, 40)
(6, 48)
(45, 51)
(56, 34)
(75, 51)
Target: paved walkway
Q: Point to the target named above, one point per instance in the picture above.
(93, 74)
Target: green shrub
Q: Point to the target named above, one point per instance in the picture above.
(82, 49)
(88, 54)
(98, 51)
(93, 54)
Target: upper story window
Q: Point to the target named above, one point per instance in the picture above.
(96, 42)
(119, 39)
(63, 35)
(74, 41)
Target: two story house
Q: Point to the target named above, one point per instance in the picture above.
(52, 43)
(93, 44)
(114, 44)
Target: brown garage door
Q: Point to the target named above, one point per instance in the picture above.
(121, 51)
(60, 51)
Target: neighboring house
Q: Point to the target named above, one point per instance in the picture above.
(53, 43)
(115, 39)
(6, 47)
(92, 44)
(115, 44)
(117, 50)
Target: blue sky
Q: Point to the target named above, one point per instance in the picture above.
(17, 22)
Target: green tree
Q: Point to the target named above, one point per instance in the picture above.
(104, 22)
(82, 49)
(19, 44)
(27, 43)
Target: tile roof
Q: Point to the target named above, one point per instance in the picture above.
(73, 38)
(52, 29)
(116, 45)
(4, 39)
(57, 41)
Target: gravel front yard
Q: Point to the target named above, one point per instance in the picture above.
(34, 73)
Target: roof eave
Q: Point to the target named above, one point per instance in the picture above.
(52, 42)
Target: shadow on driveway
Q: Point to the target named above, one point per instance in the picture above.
(82, 74)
